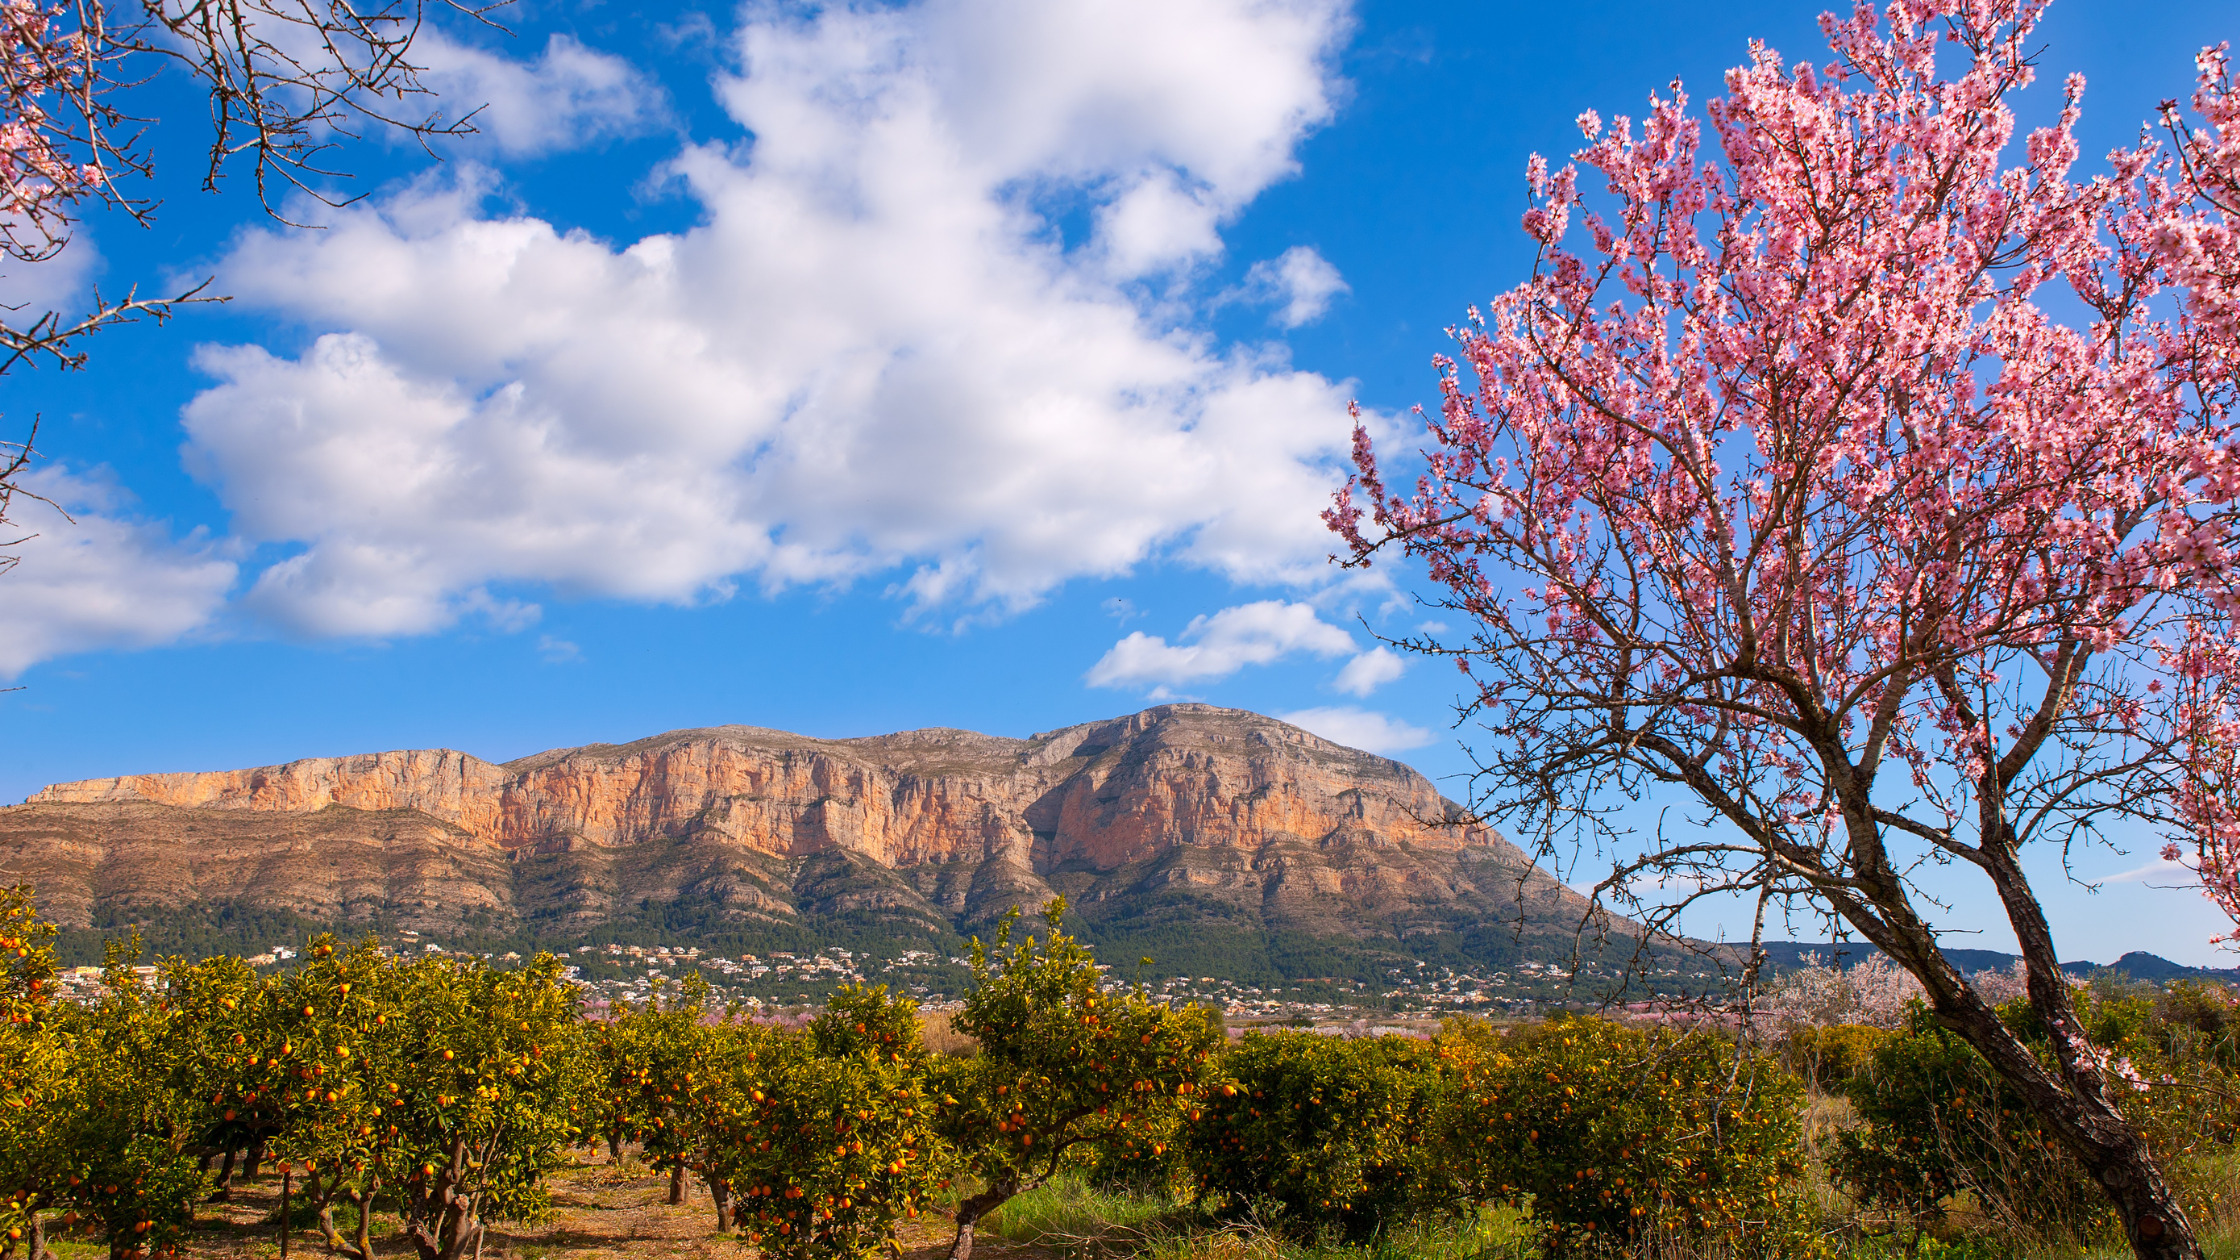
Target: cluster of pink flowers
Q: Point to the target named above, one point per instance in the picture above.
(45, 74)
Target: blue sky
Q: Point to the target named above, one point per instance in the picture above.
(977, 364)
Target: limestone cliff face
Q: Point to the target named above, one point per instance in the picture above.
(1107, 793)
(940, 825)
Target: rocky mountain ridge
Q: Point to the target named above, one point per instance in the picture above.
(1178, 816)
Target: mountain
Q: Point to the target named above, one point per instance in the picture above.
(2137, 965)
(1186, 826)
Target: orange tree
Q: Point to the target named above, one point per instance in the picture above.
(645, 1062)
(444, 1082)
(1062, 1063)
(37, 1079)
(828, 1139)
(1322, 1132)
(490, 1078)
(321, 1078)
(217, 1004)
(133, 1173)
(1619, 1133)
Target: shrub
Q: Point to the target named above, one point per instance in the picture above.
(1829, 1057)
(1940, 1123)
(1619, 1134)
(1322, 1133)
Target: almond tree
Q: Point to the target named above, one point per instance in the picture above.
(1778, 489)
(2201, 251)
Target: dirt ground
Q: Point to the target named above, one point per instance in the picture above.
(601, 1211)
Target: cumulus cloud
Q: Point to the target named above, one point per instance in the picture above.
(1369, 671)
(1300, 283)
(99, 577)
(1359, 728)
(569, 97)
(876, 354)
(1219, 645)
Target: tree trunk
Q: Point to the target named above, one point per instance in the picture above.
(2099, 1134)
(676, 1184)
(440, 1218)
(254, 1160)
(34, 1238)
(363, 1200)
(971, 1210)
(2075, 1104)
(719, 1191)
(223, 1191)
(614, 1149)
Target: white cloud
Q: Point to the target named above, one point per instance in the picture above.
(1301, 281)
(1219, 645)
(98, 578)
(875, 354)
(1369, 671)
(567, 98)
(2159, 873)
(56, 283)
(1359, 728)
(558, 651)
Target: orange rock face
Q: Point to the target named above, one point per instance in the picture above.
(1107, 793)
(1182, 798)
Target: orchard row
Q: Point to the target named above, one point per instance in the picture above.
(448, 1092)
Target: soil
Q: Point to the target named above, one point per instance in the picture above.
(601, 1211)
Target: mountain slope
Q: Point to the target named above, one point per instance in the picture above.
(1184, 819)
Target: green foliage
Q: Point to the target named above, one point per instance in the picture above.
(1063, 1064)
(2198, 1022)
(1941, 1124)
(1322, 1132)
(1618, 1134)
(863, 1019)
(1829, 1056)
(645, 1061)
(827, 1153)
(443, 1083)
(98, 1130)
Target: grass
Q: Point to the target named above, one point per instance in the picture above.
(1077, 1218)
(1071, 1214)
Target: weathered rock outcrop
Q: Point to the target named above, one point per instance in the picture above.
(1176, 806)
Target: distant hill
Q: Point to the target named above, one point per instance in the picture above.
(2138, 964)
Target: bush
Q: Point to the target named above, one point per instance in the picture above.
(1829, 1057)
(1940, 1123)
(1322, 1133)
(1617, 1134)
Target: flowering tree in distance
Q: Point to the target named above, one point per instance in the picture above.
(1787, 490)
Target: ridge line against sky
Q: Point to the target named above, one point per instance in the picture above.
(834, 368)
